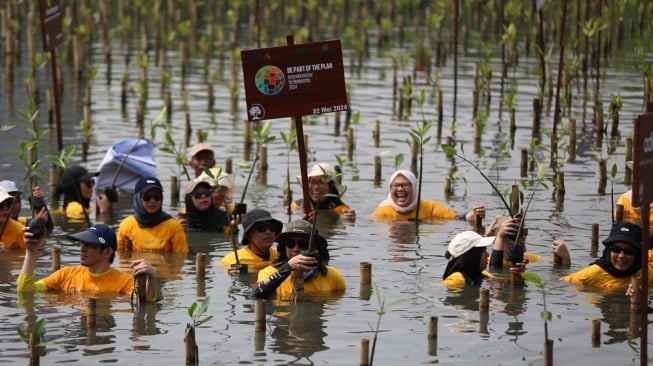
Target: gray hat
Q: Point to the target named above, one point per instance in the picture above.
(10, 186)
(258, 215)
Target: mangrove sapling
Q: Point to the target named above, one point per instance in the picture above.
(197, 317)
(33, 340)
(545, 314)
(175, 150)
(380, 312)
(290, 144)
(420, 134)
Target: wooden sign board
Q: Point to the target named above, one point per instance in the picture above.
(643, 160)
(295, 80)
(51, 24)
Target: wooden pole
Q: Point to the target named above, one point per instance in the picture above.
(596, 331)
(484, 301)
(636, 283)
(259, 315)
(365, 273)
(200, 265)
(92, 312)
(56, 258)
(364, 356)
(432, 336)
(595, 237)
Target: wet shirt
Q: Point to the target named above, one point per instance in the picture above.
(168, 236)
(248, 257)
(594, 275)
(331, 204)
(630, 213)
(75, 211)
(332, 281)
(427, 210)
(12, 237)
(76, 279)
(457, 279)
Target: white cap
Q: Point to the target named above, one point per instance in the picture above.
(463, 242)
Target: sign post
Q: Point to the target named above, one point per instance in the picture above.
(642, 196)
(52, 36)
(292, 81)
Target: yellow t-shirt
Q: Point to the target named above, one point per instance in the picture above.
(456, 280)
(168, 236)
(76, 279)
(427, 210)
(75, 211)
(333, 281)
(247, 256)
(631, 214)
(594, 275)
(12, 237)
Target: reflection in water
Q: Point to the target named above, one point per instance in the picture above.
(299, 329)
(615, 308)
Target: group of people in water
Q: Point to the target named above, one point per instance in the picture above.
(300, 247)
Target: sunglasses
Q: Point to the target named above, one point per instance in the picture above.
(149, 197)
(292, 243)
(202, 193)
(262, 226)
(627, 251)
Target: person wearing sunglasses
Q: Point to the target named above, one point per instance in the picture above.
(200, 214)
(76, 186)
(259, 231)
(401, 203)
(620, 261)
(319, 278)
(94, 274)
(150, 228)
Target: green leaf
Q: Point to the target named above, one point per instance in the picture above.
(546, 315)
(204, 306)
(191, 309)
(448, 149)
(532, 277)
(39, 328)
(22, 335)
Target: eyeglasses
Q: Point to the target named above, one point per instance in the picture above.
(627, 251)
(262, 226)
(396, 186)
(291, 243)
(149, 197)
(202, 193)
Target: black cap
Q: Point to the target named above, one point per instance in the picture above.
(625, 232)
(146, 183)
(76, 174)
(99, 234)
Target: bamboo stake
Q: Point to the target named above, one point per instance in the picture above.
(56, 258)
(594, 243)
(596, 332)
(432, 336)
(364, 355)
(200, 265)
(484, 301)
(92, 312)
(377, 170)
(259, 315)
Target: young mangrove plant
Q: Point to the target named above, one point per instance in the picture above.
(420, 135)
(197, 317)
(289, 142)
(380, 313)
(33, 340)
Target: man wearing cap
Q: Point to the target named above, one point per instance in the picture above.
(319, 277)
(620, 261)
(468, 257)
(95, 274)
(150, 228)
(259, 231)
(325, 192)
(201, 156)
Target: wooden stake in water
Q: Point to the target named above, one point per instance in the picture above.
(619, 213)
(365, 273)
(595, 237)
(263, 165)
(571, 150)
(598, 123)
(603, 176)
(174, 190)
(377, 170)
(364, 357)
(200, 265)
(628, 152)
(259, 314)
(432, 336)
(191, 346)
(377, 133)
(56, 258)
(635, 283)
(596, 332)
(484, 299)
(548, 352)
(523, 164)
(92, 312)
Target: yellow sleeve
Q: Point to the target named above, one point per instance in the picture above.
(454, 280)
(26, 283)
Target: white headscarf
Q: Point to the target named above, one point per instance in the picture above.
(413, 182)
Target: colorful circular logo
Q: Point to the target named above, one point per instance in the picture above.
(270, 80)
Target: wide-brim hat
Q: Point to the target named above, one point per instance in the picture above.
(324, 169)
(624, 232)
(463, 242)
(254, 216)
(10, 186)
(99, 234)
(302, 228)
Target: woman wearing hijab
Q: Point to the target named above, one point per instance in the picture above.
(401, 203)
(319, 277)
(620, 261)
(150, 228)
(200, 213)
(468, 257)
(76, 186)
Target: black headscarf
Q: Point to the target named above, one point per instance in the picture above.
(604, 262)
(467, 264)
(69, 185)
(212, 220)
(145, 219)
